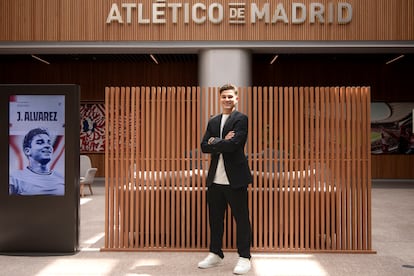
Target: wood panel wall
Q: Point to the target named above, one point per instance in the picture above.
(308, 149)
(393, 166)
(79, 20)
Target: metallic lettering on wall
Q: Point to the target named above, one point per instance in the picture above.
(163, 12)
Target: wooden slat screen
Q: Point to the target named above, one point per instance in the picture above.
(308, 149)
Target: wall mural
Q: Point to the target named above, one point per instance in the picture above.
(392, 127)
(92, 127)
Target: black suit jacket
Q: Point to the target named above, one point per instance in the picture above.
(235, 161)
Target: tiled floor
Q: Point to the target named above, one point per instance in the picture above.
(393, 241)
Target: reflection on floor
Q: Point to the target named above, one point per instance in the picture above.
(393, 241)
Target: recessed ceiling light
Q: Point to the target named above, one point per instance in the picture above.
(394, 59)
(39, 59)
(154, 59)
(274, 59)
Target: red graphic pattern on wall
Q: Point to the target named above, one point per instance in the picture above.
(92, 127)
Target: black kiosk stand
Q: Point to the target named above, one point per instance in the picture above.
(39, 176)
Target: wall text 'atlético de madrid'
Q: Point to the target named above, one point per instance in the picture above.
(237, 12)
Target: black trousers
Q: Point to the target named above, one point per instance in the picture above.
(218, 196)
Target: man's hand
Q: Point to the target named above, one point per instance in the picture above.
(229, 135)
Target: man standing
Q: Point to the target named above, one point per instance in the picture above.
(227, 179)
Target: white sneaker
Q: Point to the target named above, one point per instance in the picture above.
(211, 260)
(242, 267)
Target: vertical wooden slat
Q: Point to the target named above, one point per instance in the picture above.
(321, 171)
(348, 158)
(145, 168)
(302, 183)
(312, 161)
(317, 163)
(354, 160)
(162, 156)
(290, 189)
(255, 206)
(108, 183)
(142, 168)
(307, 167)
(131, 161)
(191, 187)
(285, 215)
(325, 170)
(276, 162)
(111, 168)
(210, 113)
(362, 173)
(146, 163)
(203, 119)
(196, 161)
(338, 169)
(249, 147)
(121, 167)
(158, 189)
(367, 152)
(332, 164)
(330, 218)
(296, 166)
(136, 166)
(116, 151)
(184, 211)
(180, 199)
(114, 168)
(282, 165)
(266, 173)
(175, 149)
(344, 169)
(272, 155)
(177, 160)
(364, 170)
(174, 142)
(259, 184)
(321, 167)
(152, 172)
(359, 163)
(195, 235)
(168, 155)
(126, 149)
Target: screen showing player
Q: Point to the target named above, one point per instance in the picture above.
(37, 145)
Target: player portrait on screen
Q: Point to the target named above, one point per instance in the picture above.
(36, 145)
(37, 178)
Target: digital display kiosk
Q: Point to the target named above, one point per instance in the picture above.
(39, 186)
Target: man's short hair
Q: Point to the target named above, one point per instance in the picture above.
(229, 87)
(27, 141)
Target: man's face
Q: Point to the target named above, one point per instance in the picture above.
(228, 99)
(41, 149)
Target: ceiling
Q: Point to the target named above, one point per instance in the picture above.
(188, 51)
(140, 58)
(190, 58)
